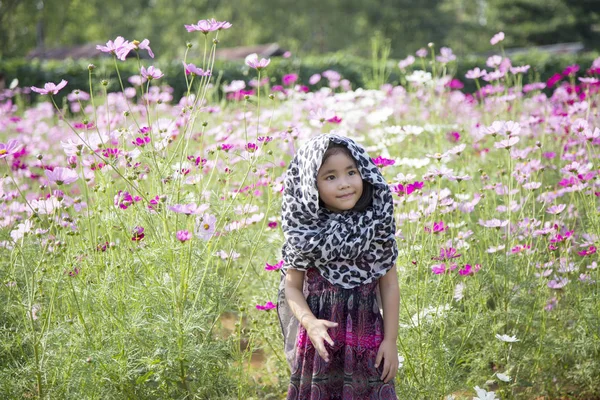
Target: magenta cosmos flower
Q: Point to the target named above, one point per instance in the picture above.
(183, 236)
(151, 73)
(50, 88)
(275, 267)
(9, 148)
(61, 175)
(382, 161)
(137, 234)
(268, 306)
(252, 62)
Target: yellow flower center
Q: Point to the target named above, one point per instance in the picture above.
(3, 151)
(206, 227)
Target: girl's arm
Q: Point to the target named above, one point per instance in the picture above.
(316, 328)
(388, 350)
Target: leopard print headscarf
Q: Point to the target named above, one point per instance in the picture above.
(349, 248)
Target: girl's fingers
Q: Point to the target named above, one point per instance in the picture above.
(328, 339)
(378, 358)
(331, 324)
(386, 371)
(322, 351)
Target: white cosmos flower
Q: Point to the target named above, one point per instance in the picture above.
(506, 338)
(483, 394)
(503, 377)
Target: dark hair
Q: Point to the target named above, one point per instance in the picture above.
(366, 199)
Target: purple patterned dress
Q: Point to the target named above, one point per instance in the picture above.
(351, 372)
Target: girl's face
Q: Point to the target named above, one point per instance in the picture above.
(339, 183)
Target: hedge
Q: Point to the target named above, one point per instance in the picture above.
(357, 70)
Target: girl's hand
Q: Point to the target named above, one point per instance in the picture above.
(388, 351)
(317, 332)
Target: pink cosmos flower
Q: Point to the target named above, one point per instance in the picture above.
(494, 76)
(61, 175)
(382, 161)
(314, 79)
(252, 62)
(507, 144)
(493, 223)
(9, 148)
(558, 283)
(268, 306)
(151, 73)
(589, 80)
(475, 73)
(497, 38)
(533, 86)
(183, 236)
(446, 254)
(551, 304)
(50, 88)
(422, 52)
(519, 70)
(493, 61)
(557, 209)
(191, 69)
(145, 45)
(446, 55)
(120, 47)
(406, 62)
(275, 267)
(204, 25)
(189, 209)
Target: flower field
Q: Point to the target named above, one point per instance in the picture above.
(140, 238)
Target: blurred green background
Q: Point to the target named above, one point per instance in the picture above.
(303, 27)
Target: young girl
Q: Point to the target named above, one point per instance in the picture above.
(339, 251)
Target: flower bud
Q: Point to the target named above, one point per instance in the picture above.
(271, 96)
(91, 67)
(104, 82)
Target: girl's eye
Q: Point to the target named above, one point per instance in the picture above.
(329, 178)
(352, 173)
